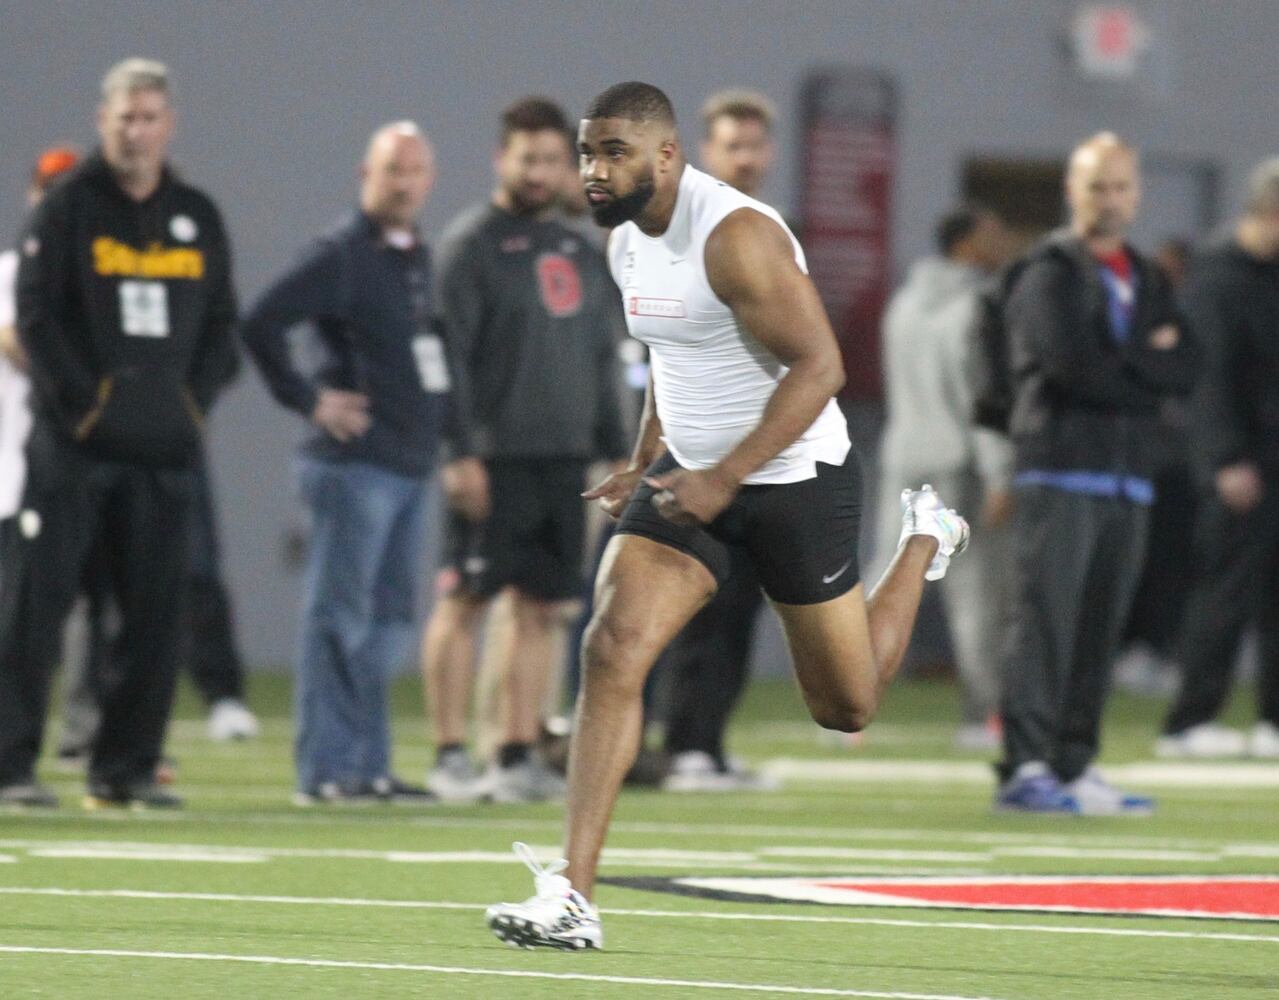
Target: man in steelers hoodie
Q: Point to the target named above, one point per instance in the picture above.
(125, 309)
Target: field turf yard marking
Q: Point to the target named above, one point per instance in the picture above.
(454, 970)
(941, 923)
(158, 852)
(659, 857)
(369, 819)
(1215, 775)
(766, 858)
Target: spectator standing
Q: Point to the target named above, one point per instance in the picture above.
(930, 437)
(125, 309)
(1095, 345)
(1232, 302)
(378, 405)
(531, 309)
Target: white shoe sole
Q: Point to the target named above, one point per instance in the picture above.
(519, 932)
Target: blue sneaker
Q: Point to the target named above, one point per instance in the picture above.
(1095, 796)
(1034, 789)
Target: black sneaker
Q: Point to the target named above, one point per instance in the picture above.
(28, 795)
(139, 795)
(401, 793)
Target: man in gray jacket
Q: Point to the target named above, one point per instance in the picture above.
(930, 437)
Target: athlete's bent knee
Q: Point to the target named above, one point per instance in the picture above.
(611, 655)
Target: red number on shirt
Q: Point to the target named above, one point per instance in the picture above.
(560, 285)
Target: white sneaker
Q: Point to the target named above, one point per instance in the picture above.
(557, 916)
(455, 779)
(1263, 741)
(923, 513)
(698, 771)
(230, 719)
(528, 781)
(1096, 796)
(1208, 739)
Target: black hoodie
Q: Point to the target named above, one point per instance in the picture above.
(1232, 299)
(126, 310)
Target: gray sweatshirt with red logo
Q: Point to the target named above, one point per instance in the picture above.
(533, 317)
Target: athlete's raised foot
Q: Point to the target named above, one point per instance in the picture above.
(923, 513)
(556, 916)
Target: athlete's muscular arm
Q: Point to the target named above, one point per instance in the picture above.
(614, 492)
(750, 264)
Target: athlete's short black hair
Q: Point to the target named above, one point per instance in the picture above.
(535, 114)
(634, 101)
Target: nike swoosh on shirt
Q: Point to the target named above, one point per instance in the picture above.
(677, 260)
(837, 574)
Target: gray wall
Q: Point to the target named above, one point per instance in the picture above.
(278, 97)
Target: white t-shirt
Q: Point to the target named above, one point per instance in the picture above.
(711, 378)
(15, 411)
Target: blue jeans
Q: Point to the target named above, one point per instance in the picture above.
(368, 531)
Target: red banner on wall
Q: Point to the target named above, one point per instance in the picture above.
(849, 157)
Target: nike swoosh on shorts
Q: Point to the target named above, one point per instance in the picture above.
(837, 574)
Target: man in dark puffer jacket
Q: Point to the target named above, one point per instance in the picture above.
(1095, 344)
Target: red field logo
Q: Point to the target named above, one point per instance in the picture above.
(1241, 897)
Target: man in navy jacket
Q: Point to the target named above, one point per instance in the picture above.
(379, 402)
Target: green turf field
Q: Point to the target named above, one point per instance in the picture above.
(244, 896)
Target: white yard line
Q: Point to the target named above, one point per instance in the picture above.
(159, 852)
(765, 858)
(1160, 774)
(782, 918)
(761, 831)
(660, 858)
(875, 854)
(766, 831)
(453, 970)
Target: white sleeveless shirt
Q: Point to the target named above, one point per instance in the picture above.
(711, 378)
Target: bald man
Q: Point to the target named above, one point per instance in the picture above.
(1096, 344)
(378, 404)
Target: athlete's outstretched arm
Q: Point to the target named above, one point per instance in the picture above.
(750, 263)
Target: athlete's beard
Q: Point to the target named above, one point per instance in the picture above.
(625, 207)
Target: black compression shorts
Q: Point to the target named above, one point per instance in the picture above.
(800, 537)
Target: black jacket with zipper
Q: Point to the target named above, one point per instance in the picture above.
(126, 310)
(1232, 298)
(1084, 401)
